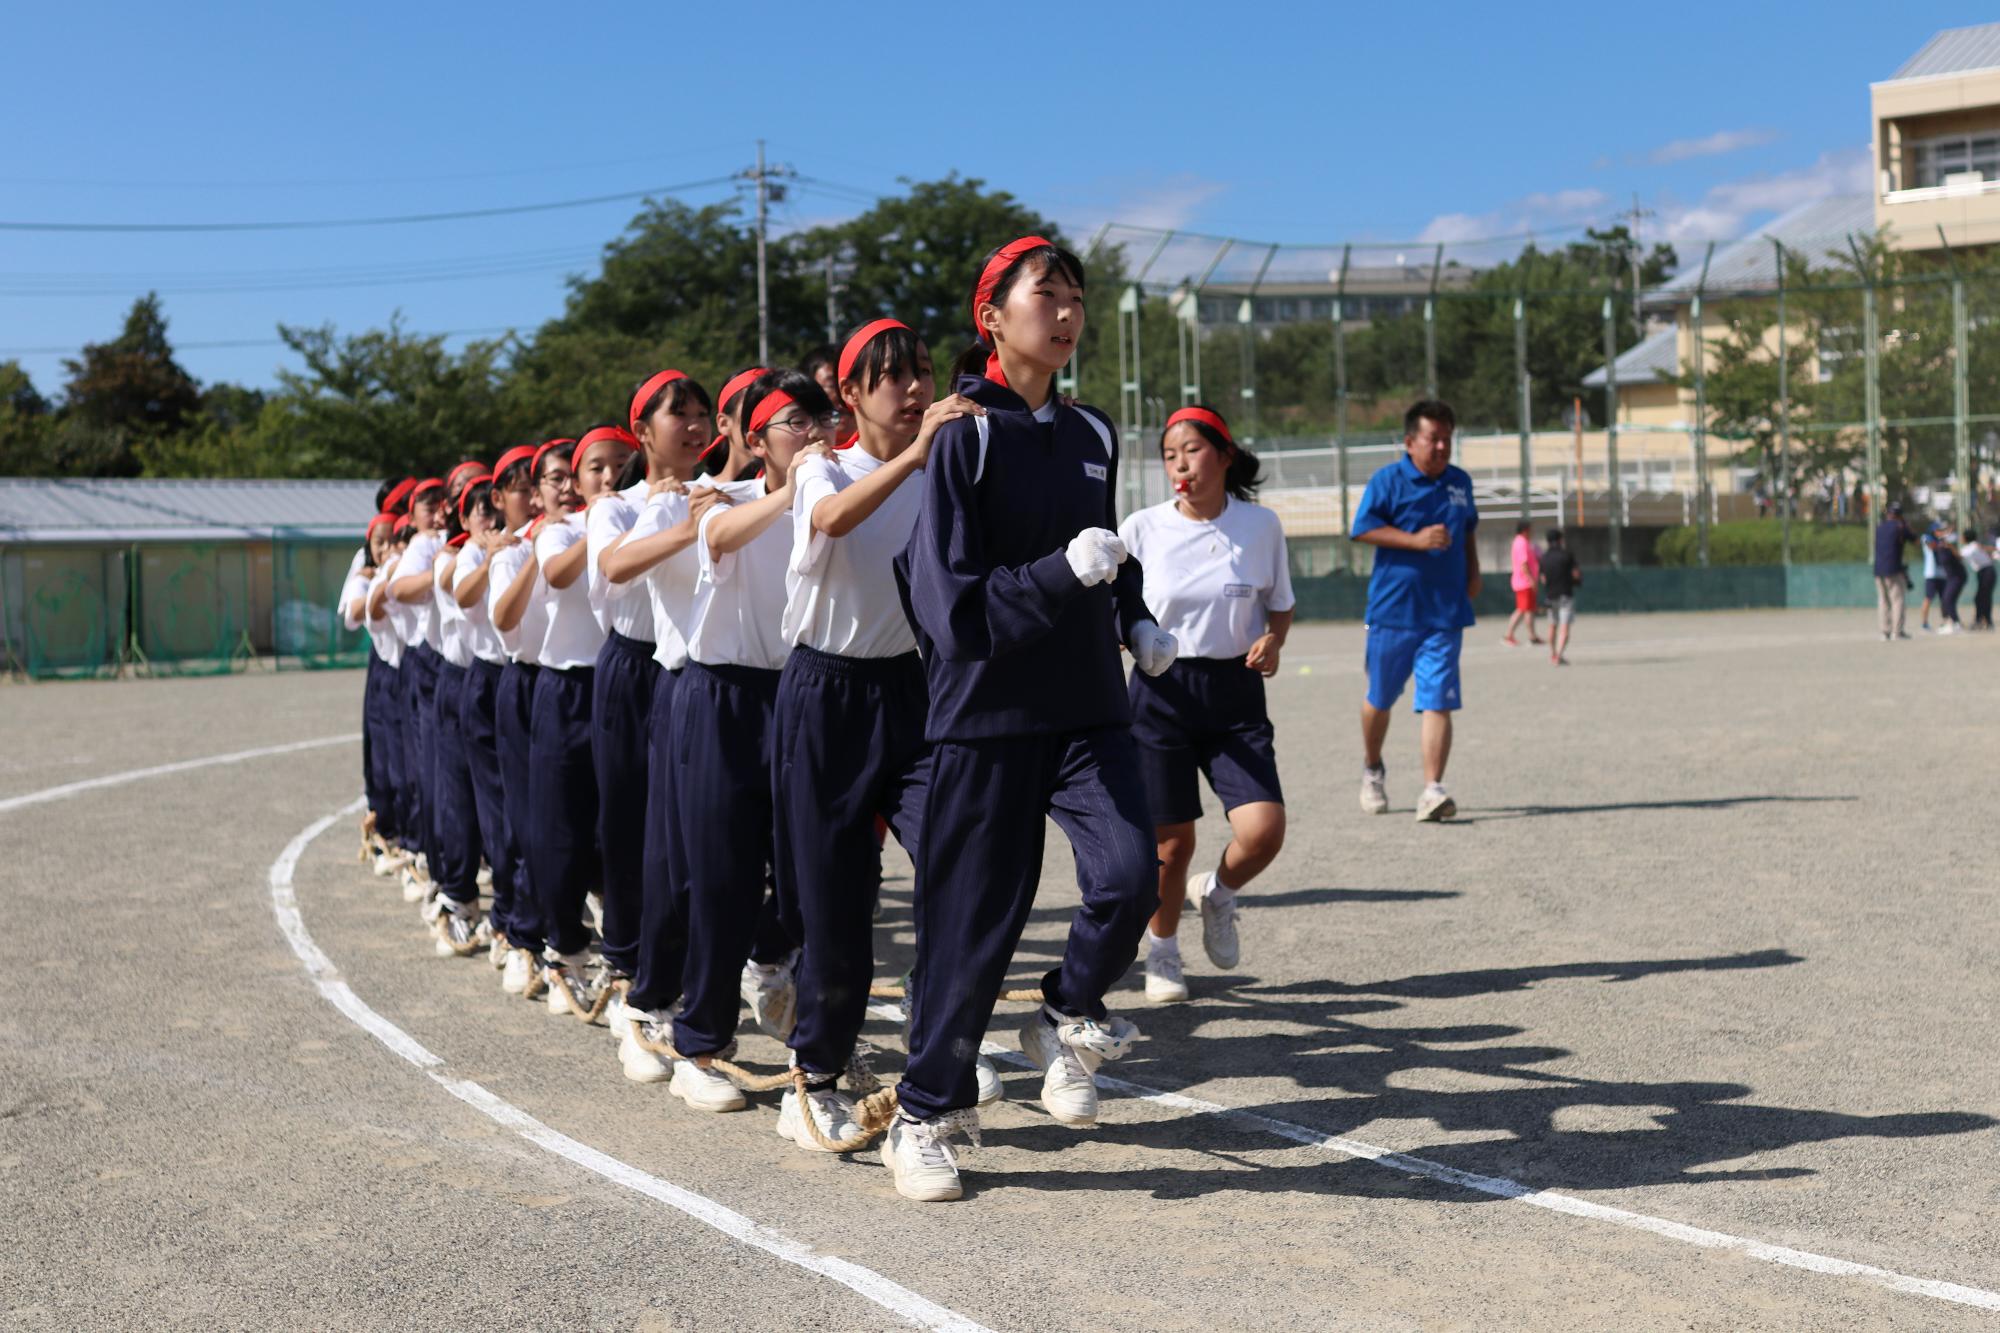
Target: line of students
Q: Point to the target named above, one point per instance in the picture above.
(695, 662)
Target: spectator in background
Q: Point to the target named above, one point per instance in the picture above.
(1951, 567)
(1892, 579)
(1560, 578)
(1978, 557)
(1527, 573)
(822, 364)
(1933, 580)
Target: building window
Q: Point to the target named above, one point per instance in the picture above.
(1929, 162)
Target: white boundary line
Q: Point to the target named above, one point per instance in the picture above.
(866, 1282)
(69, 789)
(1501, 1187)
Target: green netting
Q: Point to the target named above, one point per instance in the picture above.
(62, 609)
(306, 628)
(194, 608)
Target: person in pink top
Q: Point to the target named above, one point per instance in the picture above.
(1527, 576)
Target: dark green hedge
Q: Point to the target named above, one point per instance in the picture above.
(1758, 541)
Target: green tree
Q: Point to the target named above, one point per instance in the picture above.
(24, 425)
(122, 393)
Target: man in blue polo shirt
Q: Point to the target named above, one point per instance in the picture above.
(1418, 515)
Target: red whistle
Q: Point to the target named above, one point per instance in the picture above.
(1181, 485)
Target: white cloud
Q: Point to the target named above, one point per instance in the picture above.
(1551, 210)
(1712, 145)
(1169, 204)
(1727, 210)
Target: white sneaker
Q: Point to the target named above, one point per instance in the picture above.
(922, 1162)
(517, 971)
(1218, 920)
(640, 1064)
(1069, 1056)
(833, 1113)
(1374, 791)
(705, 1089)
(1435, 805)
(416, 887)
(455, 928)
(772, 993)
(1165, 983)
(991, 1089)
(389, 862)
(576, 984)
(485, 877)
(498, 950)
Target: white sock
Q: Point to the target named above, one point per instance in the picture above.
(1219, 893)
(1162, 944)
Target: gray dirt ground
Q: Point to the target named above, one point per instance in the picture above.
(1712, 943)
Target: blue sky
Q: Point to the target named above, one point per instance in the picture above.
(1294, 122)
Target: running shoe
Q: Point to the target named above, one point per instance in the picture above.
(771, 991)
(1218, 919)
(641, 1065)
(705, 1089)
(1165, 983)
(1374, 791)
(831, 1111)
(1435, 805)
(922, 1162)
(1069, 1053)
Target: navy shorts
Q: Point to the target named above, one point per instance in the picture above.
(1431, 655)
(1203, 717)
(1933, 588)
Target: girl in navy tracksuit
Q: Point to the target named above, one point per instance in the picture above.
(413, 604)
(375, 771)
(628, 669)
(561, 843)
(1020, 594)
(721, 748)
(849, 729)
(454, 913)
(519, 611)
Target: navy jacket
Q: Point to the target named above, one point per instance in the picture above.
(1012, 643)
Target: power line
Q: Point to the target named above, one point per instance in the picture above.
(221, 343)
(326, 224)
(392, 277)
(363, 182)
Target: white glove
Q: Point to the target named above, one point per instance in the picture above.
(1094, 555)
(1153, 649)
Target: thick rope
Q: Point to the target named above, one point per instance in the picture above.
(872, 1116)
(735, 1073)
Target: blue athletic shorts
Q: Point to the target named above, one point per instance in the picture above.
(1431, 655)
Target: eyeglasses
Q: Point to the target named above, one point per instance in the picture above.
(798, 423)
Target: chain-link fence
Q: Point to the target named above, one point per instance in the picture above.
(174, 608)
(1803, 375)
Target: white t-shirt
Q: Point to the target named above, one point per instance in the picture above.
(523, 642)
(1975, 556)
(382, 632)
(1212, 585)
(451, 616)
(418, 558)
(573, 636)
(670, 583)
(620, 606)
(480, 636)
(353, 590)
(739, 600)
(841, 593)
(403, 619)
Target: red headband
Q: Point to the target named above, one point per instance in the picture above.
(402, 522)
(452, 475)
(458, 541)
(425, 485)
(1205, 417)
(466, 494)
(768, 408)
(511, 457)
(866, 334)
(597, 435)
(375, 523)
(646, 392)
(535, 468)
(989, 278)
(397, 494)
(737, 384)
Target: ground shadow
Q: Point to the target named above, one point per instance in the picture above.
(1511, 1115)
(1497, 813)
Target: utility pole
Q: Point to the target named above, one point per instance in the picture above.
(767, 194)
(1634, 216)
